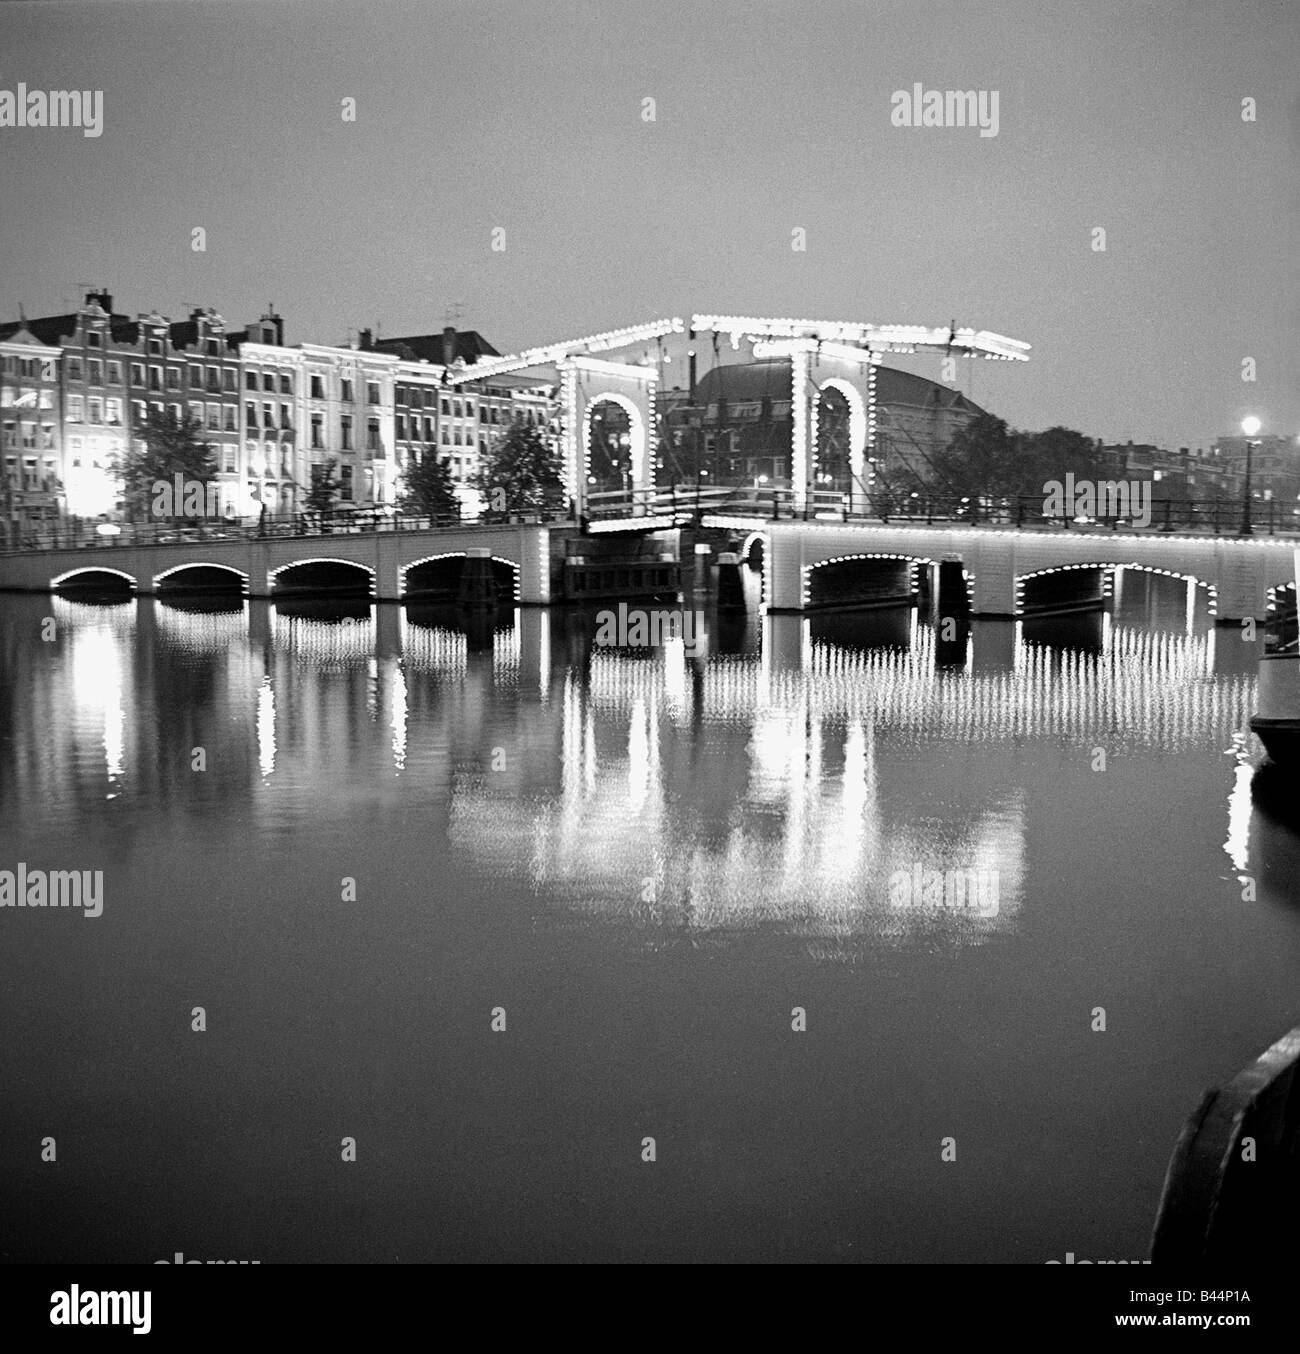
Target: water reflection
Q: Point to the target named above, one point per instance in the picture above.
(778, 784)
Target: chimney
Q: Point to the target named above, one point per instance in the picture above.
(448, 345)
(366, 340)
(101, 298)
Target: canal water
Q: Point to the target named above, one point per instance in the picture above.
(698, 890)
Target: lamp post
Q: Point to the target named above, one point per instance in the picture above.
(1250, 426)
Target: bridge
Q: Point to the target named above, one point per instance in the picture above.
(387, 564)
(987, 568)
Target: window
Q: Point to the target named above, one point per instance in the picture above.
(446, 407)
(74, 450)
(214, 378)
(96, 372)
(47, 436)
(285, 420)
(250, 380)
(372, 434)
(176, 412)
(140, 412)
(214, 417)
(213, 348)
(74, 369)
(372, 392)
(196, 411)
(445, 439)
(157, 411)
(113, 412)
(268, 381)
(96, 408)
(137, 373)
(231, 379)
(347, 392)
(268, 416)
(196, 375)
(229, 455)
(347, 433)
(286, 384)
(115, 373)
(250, 414)
(399, 427)
(173, 378)
(155, 347)
(428, 430)
(230, 425)
(94, 339)
(316, 431)
(345, 491)
(317, 388)
(456, 408)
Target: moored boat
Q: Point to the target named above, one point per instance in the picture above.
(1276, 720)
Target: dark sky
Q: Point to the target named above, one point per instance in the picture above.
(527, 115)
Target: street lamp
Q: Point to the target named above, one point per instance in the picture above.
(1250, 426)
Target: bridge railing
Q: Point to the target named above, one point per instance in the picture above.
(1219, 516)
(73, 534)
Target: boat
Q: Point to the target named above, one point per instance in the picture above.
(1276, 721)
(1233, 1182)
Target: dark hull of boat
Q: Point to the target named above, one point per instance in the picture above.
(1281, 739)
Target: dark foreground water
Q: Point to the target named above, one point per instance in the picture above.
(648, 861)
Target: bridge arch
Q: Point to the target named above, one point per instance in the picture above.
(887, 589)
(89, 570)
(160, 579)
(501, 567)
(1107, 567)
(276, 582)
(637, 440)
(857, 433)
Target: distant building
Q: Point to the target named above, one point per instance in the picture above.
(737, 429)
(33, 488)
(1274, 467)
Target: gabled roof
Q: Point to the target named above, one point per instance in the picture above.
(21, 334)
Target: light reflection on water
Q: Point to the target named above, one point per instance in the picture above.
(670, 795)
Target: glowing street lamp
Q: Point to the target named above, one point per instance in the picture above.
(1250, 426)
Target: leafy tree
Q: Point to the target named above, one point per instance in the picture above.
(428, 489)
(520, 473)
(979, 458)
(172, 447)
(324, 487)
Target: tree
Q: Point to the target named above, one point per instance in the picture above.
(324, 487)
(979, 459)
(171, 447)
(520, 473)
(428, 490)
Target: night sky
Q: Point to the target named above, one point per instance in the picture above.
(528, 116)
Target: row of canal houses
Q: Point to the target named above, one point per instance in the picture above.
(78, 389)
